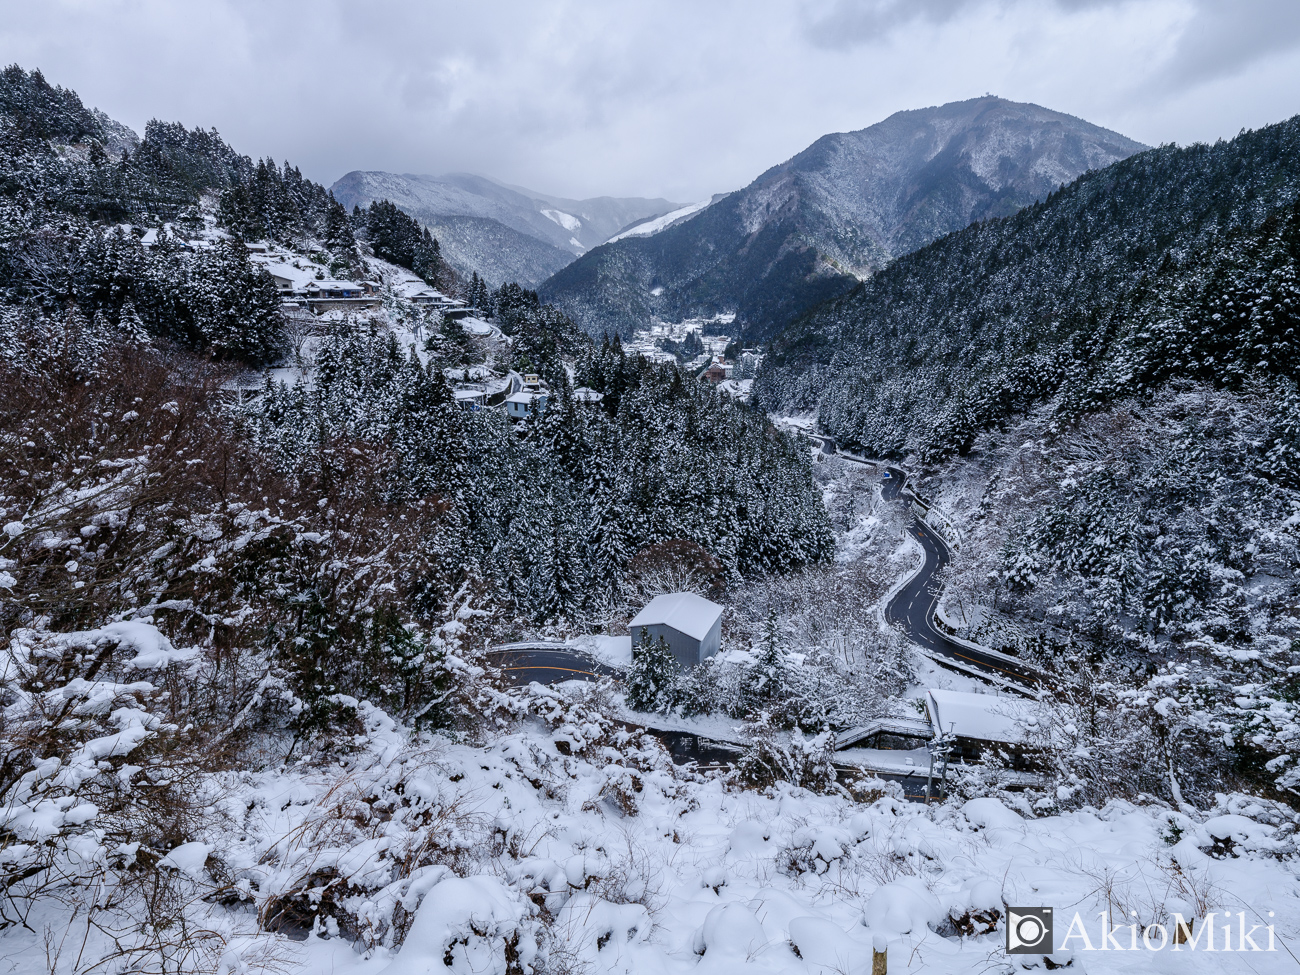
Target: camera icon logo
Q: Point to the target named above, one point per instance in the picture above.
(1029, 931)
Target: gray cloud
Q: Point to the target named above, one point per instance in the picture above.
(679, 98)
(848, 23)
(1222, 38)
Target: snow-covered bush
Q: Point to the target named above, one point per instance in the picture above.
(470, 926)
(97, 773)
(772, 757)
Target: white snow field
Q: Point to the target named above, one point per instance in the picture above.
(566, 220)
(563, 842)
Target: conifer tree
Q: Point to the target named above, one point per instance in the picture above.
(607, 542)
(237, 310)
(770, 672)
(651, 680)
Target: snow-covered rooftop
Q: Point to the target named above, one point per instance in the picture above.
(526, 396)
(333, 285)
(984, 717)
(735, 388)
(683, 611)
(476, 326)
(297, 270)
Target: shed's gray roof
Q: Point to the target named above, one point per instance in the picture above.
(683, 611)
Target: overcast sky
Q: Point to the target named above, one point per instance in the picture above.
(675, 98)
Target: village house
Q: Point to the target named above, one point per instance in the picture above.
(322, 296)
(521, 405)
(976, 724)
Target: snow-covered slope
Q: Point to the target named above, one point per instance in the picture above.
(499, 253)
(568, 844)
(529, 234)
(813, 226)
(647, 227)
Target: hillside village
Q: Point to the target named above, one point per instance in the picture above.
(311, 298)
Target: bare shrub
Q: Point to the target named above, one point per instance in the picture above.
(676, 565)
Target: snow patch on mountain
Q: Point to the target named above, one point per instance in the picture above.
(566, 220)
(661, 223)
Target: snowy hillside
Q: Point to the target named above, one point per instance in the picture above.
(567, 844)
(647, 227)
(495, 251)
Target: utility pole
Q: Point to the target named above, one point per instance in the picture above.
(939, 747)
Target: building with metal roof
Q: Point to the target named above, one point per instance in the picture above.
(690, 625)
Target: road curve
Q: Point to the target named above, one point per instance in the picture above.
(913, 606)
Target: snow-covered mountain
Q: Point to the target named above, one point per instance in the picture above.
(812, 227)
(506, 233)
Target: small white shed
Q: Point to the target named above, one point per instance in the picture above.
(522, 404)
(691, 625)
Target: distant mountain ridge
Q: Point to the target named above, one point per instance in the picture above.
(504, 232)
(810, 228)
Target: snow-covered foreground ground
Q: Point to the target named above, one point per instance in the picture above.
(570, 845)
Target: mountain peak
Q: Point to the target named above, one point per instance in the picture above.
(838, 211)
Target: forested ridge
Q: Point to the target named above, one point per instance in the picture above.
(806, 230)
(555, 515)
(1107, 288)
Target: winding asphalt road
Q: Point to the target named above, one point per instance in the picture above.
(545, 663)
(913, 607)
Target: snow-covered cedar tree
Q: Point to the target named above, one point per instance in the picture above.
(676, 565)
(650, 683)
(398, 238)
(779, 687)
